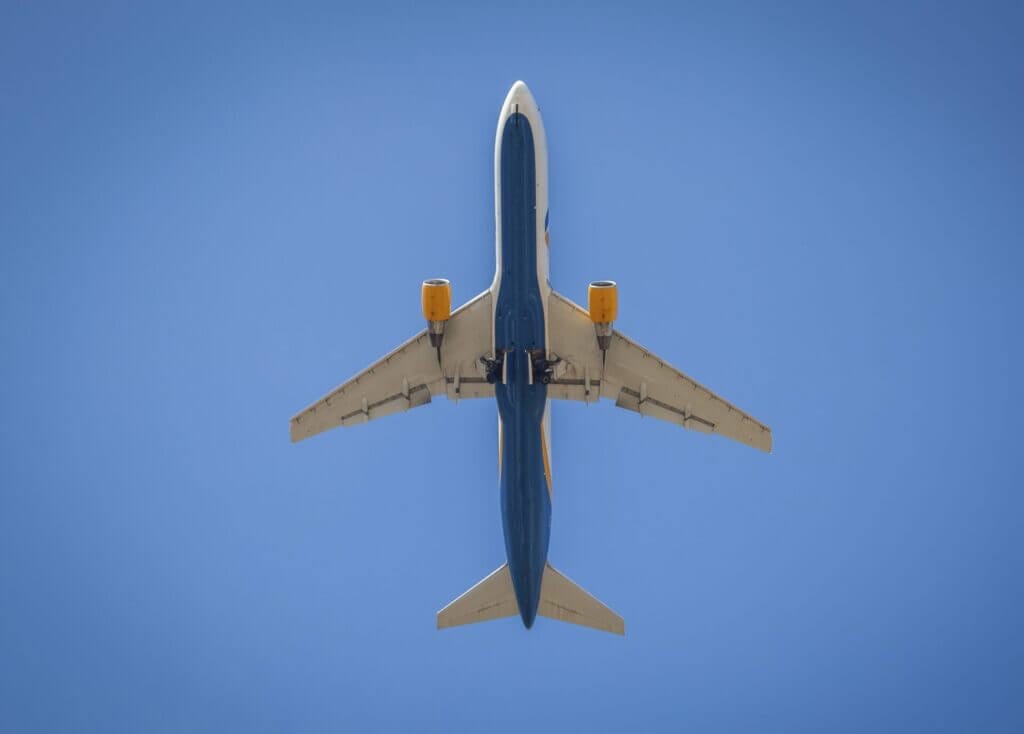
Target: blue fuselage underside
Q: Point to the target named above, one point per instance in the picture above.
(519, 326)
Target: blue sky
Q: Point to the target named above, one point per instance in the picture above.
(210, 216)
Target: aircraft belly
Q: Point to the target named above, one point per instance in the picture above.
(525, 501)
(519, 325)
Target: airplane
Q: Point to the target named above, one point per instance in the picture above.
(523, 344)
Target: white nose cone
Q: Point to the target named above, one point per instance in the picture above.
(520, 90)
(519, 99)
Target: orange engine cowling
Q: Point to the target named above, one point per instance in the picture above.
(603, 304)
(437, 308)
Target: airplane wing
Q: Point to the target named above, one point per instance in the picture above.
(637, 380)
(410, 376)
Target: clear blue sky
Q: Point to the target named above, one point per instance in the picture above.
(209, 217)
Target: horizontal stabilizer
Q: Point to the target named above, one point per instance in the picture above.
(492, 598)
(562, 599)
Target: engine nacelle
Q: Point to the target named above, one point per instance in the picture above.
(437, 308)
(603, 304)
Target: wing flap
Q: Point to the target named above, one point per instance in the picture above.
(396, 402)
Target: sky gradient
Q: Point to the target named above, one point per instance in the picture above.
(210, 217)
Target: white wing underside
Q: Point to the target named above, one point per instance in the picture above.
(637, 380)
(410, 376)
(633, 377)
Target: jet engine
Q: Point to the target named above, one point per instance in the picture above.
(437, 309)
(603, 304)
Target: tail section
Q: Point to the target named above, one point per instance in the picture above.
(560, 598)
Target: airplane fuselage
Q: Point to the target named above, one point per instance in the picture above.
(520, 291)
